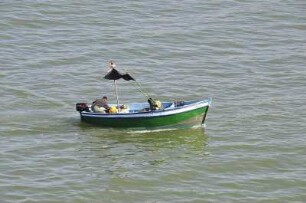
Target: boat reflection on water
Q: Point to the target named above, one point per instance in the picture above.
(144, 144)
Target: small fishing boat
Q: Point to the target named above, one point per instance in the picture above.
(149, 114)
(141, 115)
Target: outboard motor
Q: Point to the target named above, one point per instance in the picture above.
(82, 107)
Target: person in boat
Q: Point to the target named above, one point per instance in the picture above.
(155, 104)
(101, 105)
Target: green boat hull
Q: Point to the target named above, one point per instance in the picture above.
(193, 117)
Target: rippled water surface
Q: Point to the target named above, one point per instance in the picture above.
(249, 56)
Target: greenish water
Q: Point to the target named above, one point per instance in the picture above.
(248, 56)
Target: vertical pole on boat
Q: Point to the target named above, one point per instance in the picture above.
(205, 113)
(204, 116)
(116, 94)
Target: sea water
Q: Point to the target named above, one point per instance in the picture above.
(249, 56)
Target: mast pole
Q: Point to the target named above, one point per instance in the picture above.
(116, 94)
